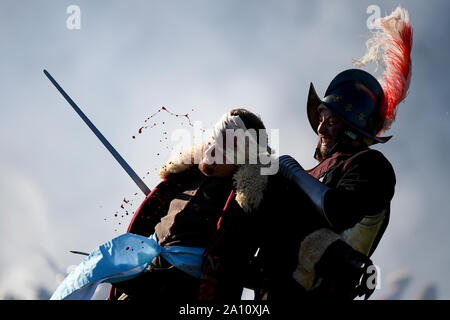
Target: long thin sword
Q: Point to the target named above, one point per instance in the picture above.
(99, 135)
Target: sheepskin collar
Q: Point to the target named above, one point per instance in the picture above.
(247, 180)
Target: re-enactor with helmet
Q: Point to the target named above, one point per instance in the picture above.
(330, 219)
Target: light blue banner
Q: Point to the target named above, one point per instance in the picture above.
(121, 259)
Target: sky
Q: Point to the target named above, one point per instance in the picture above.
(61, 189)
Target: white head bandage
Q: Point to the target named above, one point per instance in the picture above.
(241, 143)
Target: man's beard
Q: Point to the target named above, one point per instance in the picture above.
(207, 169)
(341, 143)
(323, 152)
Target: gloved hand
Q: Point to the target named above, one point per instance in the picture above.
(347, 267)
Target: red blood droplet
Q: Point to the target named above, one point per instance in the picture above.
(115, 215)
(122, 206)
(134, 137)
(127, 248)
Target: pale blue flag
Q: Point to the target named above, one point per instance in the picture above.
(121, 259)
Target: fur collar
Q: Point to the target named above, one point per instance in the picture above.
(247, 180)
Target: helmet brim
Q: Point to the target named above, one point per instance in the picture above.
(312, 110)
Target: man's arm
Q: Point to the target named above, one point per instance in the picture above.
(365, 188)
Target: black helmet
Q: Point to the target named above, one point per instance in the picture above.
(355, 97)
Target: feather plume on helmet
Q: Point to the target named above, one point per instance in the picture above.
(391, 47)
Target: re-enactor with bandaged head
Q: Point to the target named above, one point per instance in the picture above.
(211, 203)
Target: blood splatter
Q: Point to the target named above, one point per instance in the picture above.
(169, 112)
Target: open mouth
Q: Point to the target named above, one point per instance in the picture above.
(325, 141)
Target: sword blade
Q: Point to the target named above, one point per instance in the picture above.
(100, 136)
(79, 252)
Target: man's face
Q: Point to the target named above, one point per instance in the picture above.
(214, 169)
(329, 130)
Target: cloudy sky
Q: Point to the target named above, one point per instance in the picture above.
(61, 189)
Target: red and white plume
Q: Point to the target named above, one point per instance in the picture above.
(391, 46)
